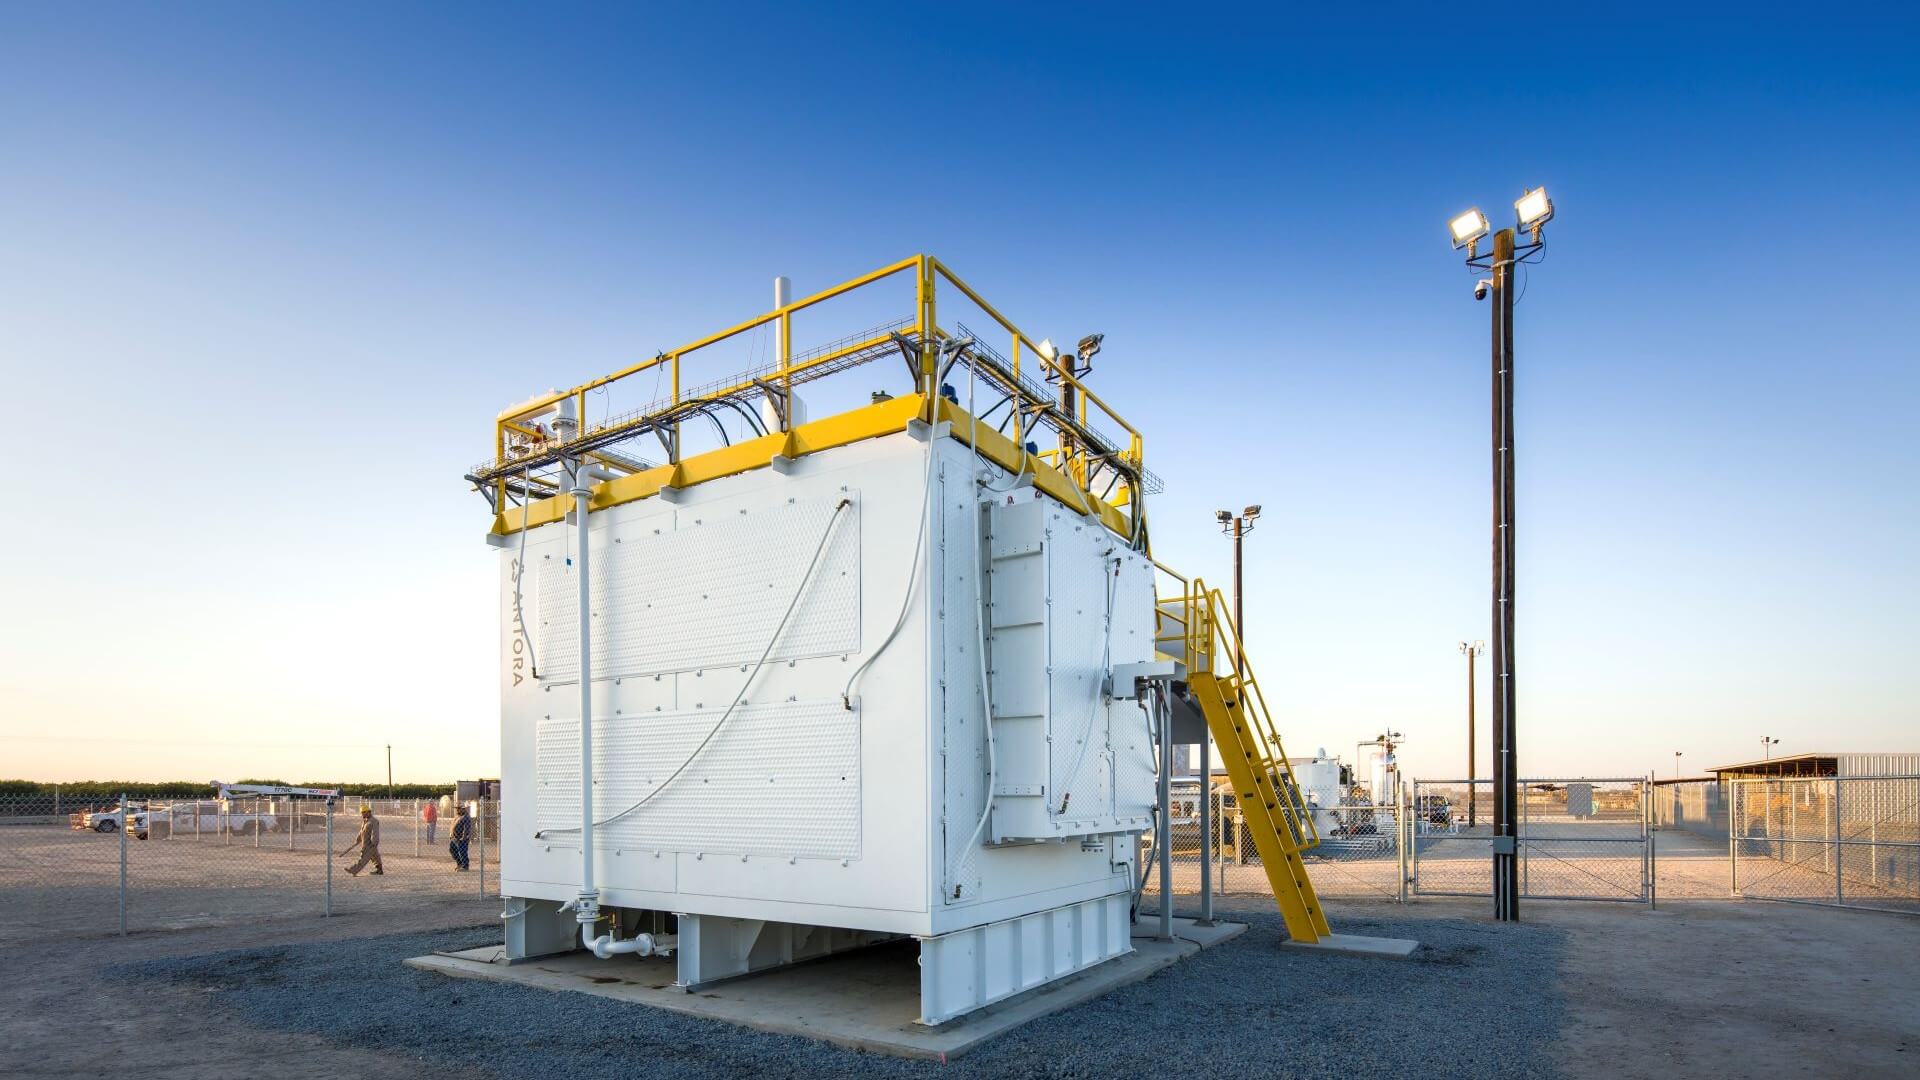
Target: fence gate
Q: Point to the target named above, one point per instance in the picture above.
(1579, 839)
(1844, 841)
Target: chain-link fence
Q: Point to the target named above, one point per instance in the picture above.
(1694, 806)
(1848, 841)
(1579, 839)
(145, 862)
(1360, 854)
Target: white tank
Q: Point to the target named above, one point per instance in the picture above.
(1385, 787)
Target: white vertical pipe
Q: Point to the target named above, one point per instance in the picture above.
(782, 292)
(1207, 827)
(588, 912)
(1165, 714)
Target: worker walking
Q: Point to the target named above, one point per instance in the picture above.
(368, 841)
(462, 833)
(430, 813)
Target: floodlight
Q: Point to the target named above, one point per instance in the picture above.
(1254, 510)
(1468, 227)
(1533, 209)
(1222, 516)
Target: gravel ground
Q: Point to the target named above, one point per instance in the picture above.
(1477, 1000)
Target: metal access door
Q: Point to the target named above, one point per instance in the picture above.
(1579, 839)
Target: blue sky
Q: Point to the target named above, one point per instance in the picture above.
(266, 274)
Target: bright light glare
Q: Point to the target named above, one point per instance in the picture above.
(1468, 227)
(1533, 208)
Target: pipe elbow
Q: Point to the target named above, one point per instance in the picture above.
(606, 946)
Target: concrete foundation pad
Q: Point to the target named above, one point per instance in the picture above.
(866, 1000)
(1392, 948)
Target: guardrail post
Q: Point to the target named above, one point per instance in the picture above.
(126, 818)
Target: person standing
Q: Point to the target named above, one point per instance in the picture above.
(462, 833)
(430, 813)
(368, 841)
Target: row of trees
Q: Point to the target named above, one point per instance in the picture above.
(188, 789)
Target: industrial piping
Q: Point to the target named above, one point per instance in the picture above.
(587, 906)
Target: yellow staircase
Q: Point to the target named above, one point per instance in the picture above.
(1196, 629)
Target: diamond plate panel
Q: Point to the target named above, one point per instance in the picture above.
(779, 779)
(708, 592)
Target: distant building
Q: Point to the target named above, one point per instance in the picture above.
(1818, 764)
(1700, 804)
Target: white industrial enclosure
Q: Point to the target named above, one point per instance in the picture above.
(793, 674)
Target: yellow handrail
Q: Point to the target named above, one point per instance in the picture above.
(1211, 636)
(928, 273)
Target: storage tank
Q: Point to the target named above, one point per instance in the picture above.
(853, 681)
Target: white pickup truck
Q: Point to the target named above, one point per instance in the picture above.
(182, 819)
(106, 821)
(205, 816)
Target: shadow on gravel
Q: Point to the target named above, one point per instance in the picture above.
(1478, 1000)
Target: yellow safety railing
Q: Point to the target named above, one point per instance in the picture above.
(1207, 642)
(514, 430)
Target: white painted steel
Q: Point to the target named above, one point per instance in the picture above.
(805, 809)
(968, 969)
(587, 909)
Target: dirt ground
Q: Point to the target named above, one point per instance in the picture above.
(1700, 987)
(59, 881)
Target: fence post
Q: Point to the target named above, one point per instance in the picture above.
(416, 828)
(259, 820)
(1649, 851)
(1839, 852)
(1734, 795)
(126, 819)
(327, 908)
(1403, 835)
(1522, 839)
(480, 830)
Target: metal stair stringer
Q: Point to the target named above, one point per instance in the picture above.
(1273, 812)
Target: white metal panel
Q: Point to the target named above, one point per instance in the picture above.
(972, 968)
(778, 779)
(1080, 571)
(908, 760)
(707, 590)
(963, 746)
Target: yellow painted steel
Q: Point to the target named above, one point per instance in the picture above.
(1076, 471)
(1195, 628)
(868, 422)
